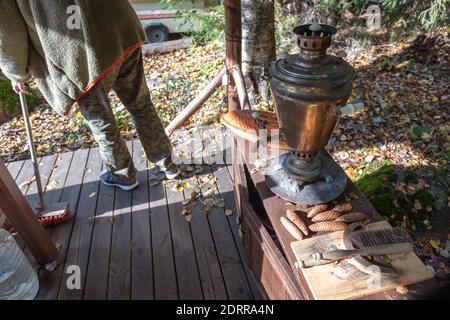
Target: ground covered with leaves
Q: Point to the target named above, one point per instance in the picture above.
(397, 149)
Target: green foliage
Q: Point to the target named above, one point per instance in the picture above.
(407, 14)
(9, 100)
(427, 14)
(210, 24)
(387, 188)
(283, 33)
(420, 133)
(355, 6)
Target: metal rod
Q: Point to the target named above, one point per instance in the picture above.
(26, 119)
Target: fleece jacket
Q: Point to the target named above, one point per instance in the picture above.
(67, 46)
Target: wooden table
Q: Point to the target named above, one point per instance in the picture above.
(267, 243)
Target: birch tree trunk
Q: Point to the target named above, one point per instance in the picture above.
(258, 45)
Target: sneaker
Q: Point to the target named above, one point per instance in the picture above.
(107, 178)
(172, 172)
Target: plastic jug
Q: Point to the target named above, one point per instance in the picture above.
(18, 280)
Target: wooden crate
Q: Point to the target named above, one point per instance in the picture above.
(267, 243)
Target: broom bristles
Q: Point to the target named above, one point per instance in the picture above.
(368, 238)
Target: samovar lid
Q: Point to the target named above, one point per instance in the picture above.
(312, 67)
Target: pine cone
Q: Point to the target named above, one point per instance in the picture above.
(327, 226)
(343, 207)
(291, 228)
(353, 217)
(326, 216)
(317, 209)
(295, 217)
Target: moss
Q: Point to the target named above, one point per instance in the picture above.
(427, 199)
(379, 187)
(9, 100)
(373, 176)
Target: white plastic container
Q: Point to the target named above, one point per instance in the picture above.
(18, 280)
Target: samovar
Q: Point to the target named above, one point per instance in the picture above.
(309, 89)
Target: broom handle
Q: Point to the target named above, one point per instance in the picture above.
(26, 119)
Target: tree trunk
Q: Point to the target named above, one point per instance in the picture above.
(258, 45)
(234, 47)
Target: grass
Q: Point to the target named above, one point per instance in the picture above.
(9, 100)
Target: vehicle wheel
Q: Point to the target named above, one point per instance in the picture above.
(157, 33)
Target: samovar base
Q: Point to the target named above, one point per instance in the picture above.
(330, 185)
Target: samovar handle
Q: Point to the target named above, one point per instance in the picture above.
(351, 108)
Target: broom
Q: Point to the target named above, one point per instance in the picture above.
(49, 214)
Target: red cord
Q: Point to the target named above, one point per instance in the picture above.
(127, 52)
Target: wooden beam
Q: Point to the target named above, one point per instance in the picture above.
(165, 47)
(23, 219)
(233, 28)
(195, 104)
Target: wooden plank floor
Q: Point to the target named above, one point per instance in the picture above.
(137, 245)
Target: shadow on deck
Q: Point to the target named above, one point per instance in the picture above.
(137, 245)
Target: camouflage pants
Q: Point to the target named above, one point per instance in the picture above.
(128, 82)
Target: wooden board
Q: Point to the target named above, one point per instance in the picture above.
(165, 279)
(97, 273)
(188, 277)
(232, 265)
(119, 282)
(80, 240)
(70, 190)
(221, 152)
(210, 271)
(341, 280)
(141, 238)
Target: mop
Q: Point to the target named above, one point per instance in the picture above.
(48, 214)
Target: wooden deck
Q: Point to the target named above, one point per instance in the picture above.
(137, 245)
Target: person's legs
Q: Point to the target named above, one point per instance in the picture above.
(131, 87)
(96, 109)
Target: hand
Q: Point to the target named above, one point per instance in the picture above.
(19, 87)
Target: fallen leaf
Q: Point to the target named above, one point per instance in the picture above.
(434, 244)
(205, 209)
(186, 214)
(180, 186)
(194, 195)
(402, 290)
(52, 185)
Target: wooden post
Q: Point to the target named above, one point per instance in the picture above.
(233, 31)
(23, 219)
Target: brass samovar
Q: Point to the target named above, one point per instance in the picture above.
(309, 89)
